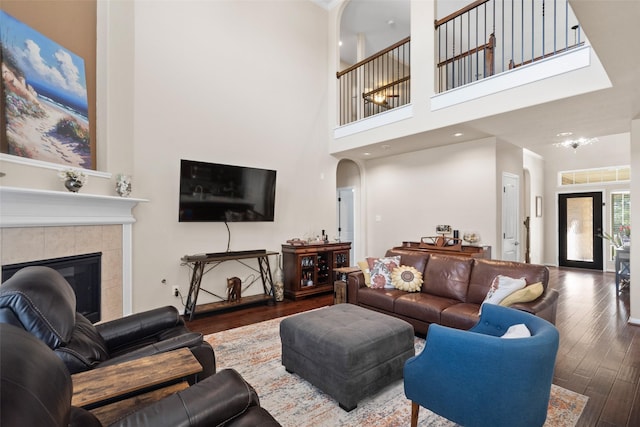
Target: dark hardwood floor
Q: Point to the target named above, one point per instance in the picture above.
(599, 353)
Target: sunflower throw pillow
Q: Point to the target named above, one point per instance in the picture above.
(406, 278)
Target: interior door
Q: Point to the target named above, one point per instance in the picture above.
(579, 225)
(510, 217)
(346, 218)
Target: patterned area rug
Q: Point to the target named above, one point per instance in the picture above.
(254, 351)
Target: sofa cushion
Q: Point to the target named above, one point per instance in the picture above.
(447, 276)
(382, 299)
(460, 316)
(381, 269)
(86, 348)
(485, 270)
(526, 294)
(422, 306)
(406, 278)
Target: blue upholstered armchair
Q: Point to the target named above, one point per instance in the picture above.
(476, 378)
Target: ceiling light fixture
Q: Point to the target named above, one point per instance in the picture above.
(379, 98)
(457, 134)
(575, 143)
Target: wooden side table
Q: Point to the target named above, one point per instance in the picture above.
(107, 384)
(340, 285)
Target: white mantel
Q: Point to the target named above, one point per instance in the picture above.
(25, 207)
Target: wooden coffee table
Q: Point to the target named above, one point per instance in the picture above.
(101, 386)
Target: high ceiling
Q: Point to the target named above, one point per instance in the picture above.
(612, 29)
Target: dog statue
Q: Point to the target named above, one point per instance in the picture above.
(234, 288)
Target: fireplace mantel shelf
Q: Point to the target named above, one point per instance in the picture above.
(25, 207)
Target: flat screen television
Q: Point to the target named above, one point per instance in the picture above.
(212, 192)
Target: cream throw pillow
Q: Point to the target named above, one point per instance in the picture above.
(526, 294)
(364, 266)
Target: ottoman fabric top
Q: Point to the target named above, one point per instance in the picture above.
(345, 335)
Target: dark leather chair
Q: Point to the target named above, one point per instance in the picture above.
(39, 300)
(37, 390)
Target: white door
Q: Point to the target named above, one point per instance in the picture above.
(510, 217)
(346, 218)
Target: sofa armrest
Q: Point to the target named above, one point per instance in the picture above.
(355, 281)
(545, 306)
(189, 340)
(138, 326)
(214, 401)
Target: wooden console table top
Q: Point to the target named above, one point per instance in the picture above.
(109, 382)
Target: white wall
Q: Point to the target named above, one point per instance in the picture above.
(409, 194)
(221, 82)
(634, 156)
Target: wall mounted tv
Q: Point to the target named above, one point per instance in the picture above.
(212, 192)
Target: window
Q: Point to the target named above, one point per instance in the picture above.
(620, 213)
(591, 176)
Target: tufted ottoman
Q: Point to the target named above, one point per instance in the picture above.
(345, 350)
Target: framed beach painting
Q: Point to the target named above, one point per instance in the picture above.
(44, 98)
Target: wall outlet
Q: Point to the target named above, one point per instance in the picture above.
(175, 291)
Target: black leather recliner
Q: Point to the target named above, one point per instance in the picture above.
(37, 390)
(39, 300)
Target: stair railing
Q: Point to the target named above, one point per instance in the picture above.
(491, 36)
(376, 84)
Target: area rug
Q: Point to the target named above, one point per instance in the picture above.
(254, 351)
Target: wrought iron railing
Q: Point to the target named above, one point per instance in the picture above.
(482, 39)
(377, 84)
(491, 36)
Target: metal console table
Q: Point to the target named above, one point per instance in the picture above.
(198, 264)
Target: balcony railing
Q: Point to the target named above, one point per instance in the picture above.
(377, 84)
(491, 36)
(482, 39)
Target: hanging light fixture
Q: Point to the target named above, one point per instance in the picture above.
(575, 143)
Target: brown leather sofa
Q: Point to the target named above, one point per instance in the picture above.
(453, 290)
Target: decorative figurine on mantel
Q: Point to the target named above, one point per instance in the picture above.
(73, 179)
(123, 185)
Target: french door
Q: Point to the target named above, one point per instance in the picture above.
(579, 225)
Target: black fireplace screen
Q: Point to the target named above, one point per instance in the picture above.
(83, 274)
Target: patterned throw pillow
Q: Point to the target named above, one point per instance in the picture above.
(381, 269)
(406, 278)
(501, 287)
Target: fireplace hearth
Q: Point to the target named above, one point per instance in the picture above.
(83, 272)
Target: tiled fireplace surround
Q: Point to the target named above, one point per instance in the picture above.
(37, 225)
